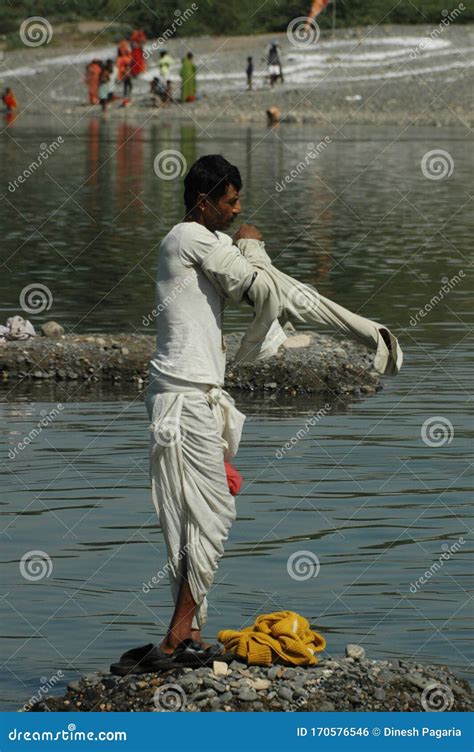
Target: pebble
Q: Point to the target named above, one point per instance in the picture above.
(347, 685)
(52, 329)
(355, 651)
(285, 693)
(247, 695)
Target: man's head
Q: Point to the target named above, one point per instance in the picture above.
(211, 192)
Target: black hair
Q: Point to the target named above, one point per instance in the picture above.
(212, 175)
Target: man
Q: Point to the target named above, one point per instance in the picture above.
(188, 447)
(274, 63)
(195, 426)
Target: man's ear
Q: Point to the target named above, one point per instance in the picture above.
(202, 201)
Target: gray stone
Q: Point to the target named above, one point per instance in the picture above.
(326, 707)
(52, 329)
(247, 695)
(355, 651)
(379, 694)
(189, 682)
(272, 673)
(74, 686)
(285, 693)
(215, 703)
(218, 686)
(226, 697)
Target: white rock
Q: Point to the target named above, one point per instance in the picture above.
(298, 340)
(220, 668)
(260, 684)
(355, 651)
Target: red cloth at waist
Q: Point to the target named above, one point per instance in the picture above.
(234, 478)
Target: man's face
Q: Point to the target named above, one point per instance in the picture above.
(219, 213)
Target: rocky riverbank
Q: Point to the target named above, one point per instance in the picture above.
(309, 363)
(351, 683)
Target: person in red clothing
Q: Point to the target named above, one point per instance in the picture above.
(137, 41)
(9, 100)
(93, 72)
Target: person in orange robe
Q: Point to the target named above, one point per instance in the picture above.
(9, 100)
(93, 72)
(123, 48)
(137, 40)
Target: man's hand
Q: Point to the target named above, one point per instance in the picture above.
(248, 231)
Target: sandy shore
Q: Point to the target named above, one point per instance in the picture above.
(384, 75)
(340, 684)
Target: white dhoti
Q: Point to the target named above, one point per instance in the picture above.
(193, 429)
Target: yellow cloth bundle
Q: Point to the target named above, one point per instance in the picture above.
(283, 635)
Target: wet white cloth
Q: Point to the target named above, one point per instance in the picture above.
(294, 299)
(17, 328)
(193, 428)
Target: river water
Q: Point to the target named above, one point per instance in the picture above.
(374, 496)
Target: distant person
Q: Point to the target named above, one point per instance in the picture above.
(9, 100)
(188, 78)
(274, 63)
(127, 79)
(107, 84)
(164, 64)
(124, 72)
(123, 48)
(93, 71)
(137, 42)
(169, 93)
(157, 89)
(249, 72)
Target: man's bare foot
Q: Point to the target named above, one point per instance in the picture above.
(196, 635)
(169, 646)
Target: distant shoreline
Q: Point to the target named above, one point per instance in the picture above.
(378, 76)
